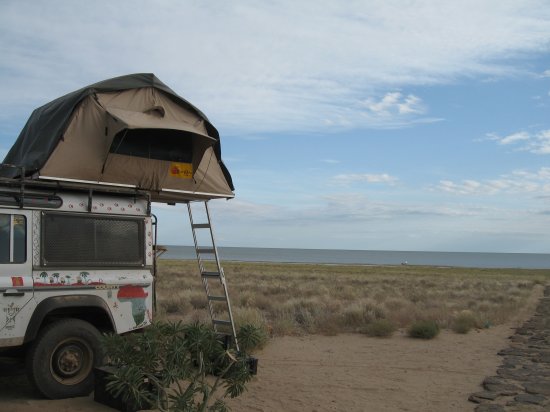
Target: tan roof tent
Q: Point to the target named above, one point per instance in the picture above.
(130, 131)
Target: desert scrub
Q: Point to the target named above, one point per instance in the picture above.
(250, 316)
(296, 299)
(380, 328)
(464, 322)
(424, 329)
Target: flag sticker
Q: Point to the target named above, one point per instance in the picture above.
(181, 170)
(17, 281)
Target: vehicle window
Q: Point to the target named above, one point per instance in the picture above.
(13, 238)
(70, 240)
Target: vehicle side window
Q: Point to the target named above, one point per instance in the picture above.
(91, 240)
(13, 238)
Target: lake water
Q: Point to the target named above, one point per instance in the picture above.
(371, 257)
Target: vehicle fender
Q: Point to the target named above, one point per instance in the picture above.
(65, 303)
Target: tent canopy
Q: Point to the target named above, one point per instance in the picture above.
(130, 131)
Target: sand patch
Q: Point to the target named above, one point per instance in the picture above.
(348, 372)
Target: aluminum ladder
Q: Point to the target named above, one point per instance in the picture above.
(213, 278)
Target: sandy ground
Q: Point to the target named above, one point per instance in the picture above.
(341, 373)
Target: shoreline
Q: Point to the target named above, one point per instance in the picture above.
(485, 260)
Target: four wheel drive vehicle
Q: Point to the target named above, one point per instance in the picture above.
(77, 237)
(73, 264)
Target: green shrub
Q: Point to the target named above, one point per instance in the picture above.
(176, 367)
(424, 329)
(464, 322)
(380, 328)
(251, 337)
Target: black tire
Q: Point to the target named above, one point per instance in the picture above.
(61, 361)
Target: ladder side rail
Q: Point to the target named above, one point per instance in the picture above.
(201, 265)
(222, 277)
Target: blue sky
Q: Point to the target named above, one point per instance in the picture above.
(383, 125)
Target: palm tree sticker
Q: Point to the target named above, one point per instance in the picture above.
(84, 276)
(44, 276)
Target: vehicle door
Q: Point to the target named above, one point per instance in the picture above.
(16, 283)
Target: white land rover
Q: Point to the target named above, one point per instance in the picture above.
(73, 264)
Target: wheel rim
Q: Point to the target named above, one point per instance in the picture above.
(71, 361)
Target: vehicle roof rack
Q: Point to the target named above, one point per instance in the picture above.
(22, 191)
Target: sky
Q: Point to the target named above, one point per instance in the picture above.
(376, 125)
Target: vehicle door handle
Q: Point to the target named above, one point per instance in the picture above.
(13, 292)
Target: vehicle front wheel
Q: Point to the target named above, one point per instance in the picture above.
(61, 361)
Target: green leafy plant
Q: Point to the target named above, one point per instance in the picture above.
(176, 367)
(251, 337)
(424, 329)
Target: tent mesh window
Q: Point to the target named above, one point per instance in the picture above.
(73, 240)
(159, 144)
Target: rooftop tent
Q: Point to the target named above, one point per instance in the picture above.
(127, 131)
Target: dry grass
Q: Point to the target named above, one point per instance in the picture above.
(288, 299)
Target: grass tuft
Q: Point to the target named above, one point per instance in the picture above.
(464, 322)
(380, 328)
(423, 329)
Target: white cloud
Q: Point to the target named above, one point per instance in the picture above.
(330, 161)
(541, 143)
(393, 105)
(537, 143)
(261, 67)
(513, 138)
(517, 182)
(348, 179)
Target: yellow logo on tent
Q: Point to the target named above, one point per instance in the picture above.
(181, 170)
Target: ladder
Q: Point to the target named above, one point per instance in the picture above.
(213, 278)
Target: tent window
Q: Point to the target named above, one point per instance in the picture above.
(159, 144)
(75, 240)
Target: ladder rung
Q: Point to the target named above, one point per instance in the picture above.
(221, 322)
(206, 250)
(201, 225)
(211, 274)
(217, 298)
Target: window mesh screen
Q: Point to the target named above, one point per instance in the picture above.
(91, 240)
(160, 144)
